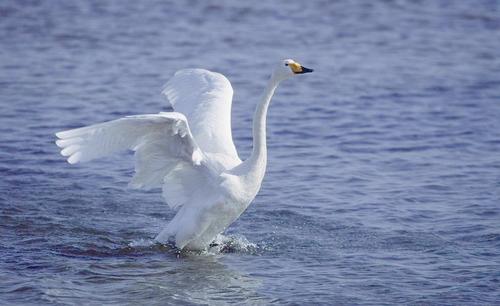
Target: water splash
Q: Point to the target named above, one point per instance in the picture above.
(141, 243)
(221, 244)
(232, 244)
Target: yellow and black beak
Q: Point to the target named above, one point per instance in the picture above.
(299, 69)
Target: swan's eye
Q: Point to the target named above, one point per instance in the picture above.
(286, 64)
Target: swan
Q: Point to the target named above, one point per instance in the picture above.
(189, 152)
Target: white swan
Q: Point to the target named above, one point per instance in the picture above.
(188, 152)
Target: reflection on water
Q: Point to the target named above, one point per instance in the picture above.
(196, 278)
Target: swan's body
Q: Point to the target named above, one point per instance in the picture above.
(188, 152)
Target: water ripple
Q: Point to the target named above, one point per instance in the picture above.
(382, 181)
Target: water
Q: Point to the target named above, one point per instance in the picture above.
(383, 180)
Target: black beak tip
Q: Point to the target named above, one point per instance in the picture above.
(306, 70)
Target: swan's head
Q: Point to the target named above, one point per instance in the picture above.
(288, 68)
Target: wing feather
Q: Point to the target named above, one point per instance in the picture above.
(166, 153)
(205, 98)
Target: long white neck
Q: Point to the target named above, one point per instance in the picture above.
(257, 161)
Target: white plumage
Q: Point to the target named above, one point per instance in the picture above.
(189, 153)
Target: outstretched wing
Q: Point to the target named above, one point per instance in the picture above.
(166, 153)
(205, 98)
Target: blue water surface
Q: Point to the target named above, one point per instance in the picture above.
(383, 181)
